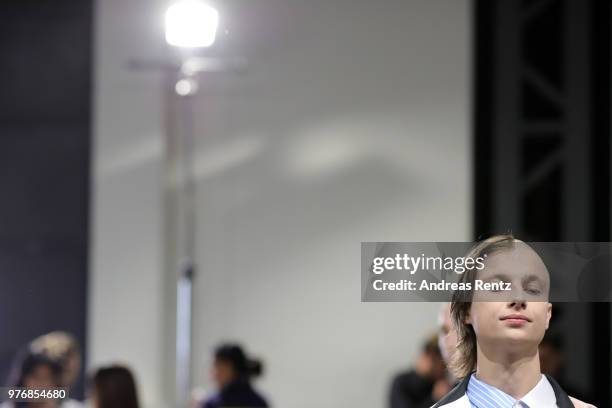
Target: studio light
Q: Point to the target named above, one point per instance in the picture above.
(191, 24)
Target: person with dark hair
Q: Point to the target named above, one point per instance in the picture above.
(232, 372)
(114, 387)
(34, 371)
(499, 332)
(416, 388)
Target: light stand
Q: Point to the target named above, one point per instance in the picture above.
(190, 25)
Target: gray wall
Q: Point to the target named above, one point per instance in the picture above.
(351, 124)
(126, 283)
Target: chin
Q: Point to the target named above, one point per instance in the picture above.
(519, 338)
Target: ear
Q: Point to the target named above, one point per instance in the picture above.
(548, 314)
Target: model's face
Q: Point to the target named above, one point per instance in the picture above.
(522, 317)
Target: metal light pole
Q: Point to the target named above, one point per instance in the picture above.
(181, 201)
(181, 190)
(190, 26)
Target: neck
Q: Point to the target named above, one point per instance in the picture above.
(515, 372)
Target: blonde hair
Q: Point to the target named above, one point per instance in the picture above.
(56, 345)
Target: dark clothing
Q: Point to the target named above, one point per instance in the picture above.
(237, 394)
(410, 390)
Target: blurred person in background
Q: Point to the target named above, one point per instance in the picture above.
(551, 356)
(34, 371)
(62, 348)
(232, 372)
(447, 342)
(423, 385)
(552, 362)
(114, 387)
(447, 336)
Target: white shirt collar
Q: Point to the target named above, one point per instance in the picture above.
(541, 396)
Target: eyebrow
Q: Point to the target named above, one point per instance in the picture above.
(507, 278)
(500, 276)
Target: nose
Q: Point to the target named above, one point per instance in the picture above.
(517, 304)
(516, 297)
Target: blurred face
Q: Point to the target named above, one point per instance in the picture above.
(222, 373)
(71, 369)
(438, 367)
(94, 398)
(524, 314)
(447, 335)
(40, 377)
(550, 359)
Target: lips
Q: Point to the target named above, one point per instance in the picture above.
(516, 317)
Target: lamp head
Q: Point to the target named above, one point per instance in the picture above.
(191, 24)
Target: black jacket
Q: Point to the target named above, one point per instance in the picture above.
(410, 390)
(237, 394)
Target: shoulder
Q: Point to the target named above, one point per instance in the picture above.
(462, 402)
(457, 397)
(257, 399)
(70, 403)
(212, 402)
(559, 393)
(404, 376)
(580, 404)
(411, 380)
